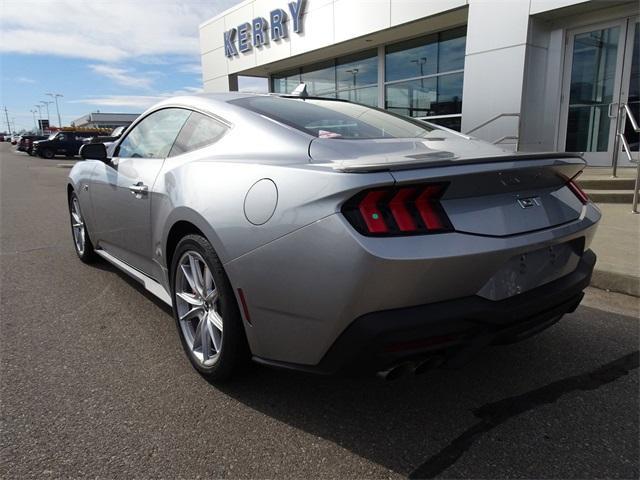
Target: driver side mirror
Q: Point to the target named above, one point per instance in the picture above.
(94, 151)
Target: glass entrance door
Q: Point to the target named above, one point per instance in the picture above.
(599, 75)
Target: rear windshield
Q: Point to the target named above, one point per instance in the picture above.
(334, 119)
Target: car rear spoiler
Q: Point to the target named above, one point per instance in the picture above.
(378, 164)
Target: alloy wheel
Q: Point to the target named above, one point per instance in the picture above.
(77, 225)
(198, 307)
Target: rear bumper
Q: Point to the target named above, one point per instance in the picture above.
(454, 329)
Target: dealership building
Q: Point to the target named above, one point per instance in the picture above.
(528, 74)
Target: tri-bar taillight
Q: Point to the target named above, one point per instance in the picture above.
(577, 191)
(401, 210)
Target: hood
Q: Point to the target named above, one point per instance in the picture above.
(437, 148)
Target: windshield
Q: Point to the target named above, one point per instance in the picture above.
(334, 119)
(52, 136)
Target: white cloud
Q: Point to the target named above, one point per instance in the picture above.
(141, 102)
(122, 76)
(194, 68)
(25, 80)
(105, 31)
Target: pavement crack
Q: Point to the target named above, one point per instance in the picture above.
(494, 414)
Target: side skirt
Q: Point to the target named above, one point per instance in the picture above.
(150, 284)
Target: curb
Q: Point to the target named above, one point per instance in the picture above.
(616, 282)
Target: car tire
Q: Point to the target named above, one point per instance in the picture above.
(81, 240)
(48, 153)
(227, 352)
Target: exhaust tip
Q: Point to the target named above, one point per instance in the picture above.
(395, 372)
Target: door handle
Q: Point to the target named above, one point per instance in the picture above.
(609, 114)
(139, 189)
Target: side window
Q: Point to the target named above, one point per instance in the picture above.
(153, 137)
(199, 131)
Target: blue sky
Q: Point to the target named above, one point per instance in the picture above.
(115, 56)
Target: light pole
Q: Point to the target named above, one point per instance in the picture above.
(354, 72)
(46, 104)
(420, 63)
(55, 97)
(35, 123)
(39, 107)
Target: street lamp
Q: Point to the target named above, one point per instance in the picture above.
(420, 64)
(354, 72)
(35, 123)
(55, 97)
(39, 107)
(46, 104)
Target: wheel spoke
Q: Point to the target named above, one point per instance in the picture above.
(196, 275)
(204, 333)
(191, 314)
(190, 299)
(216, 336)
(215, 319)
(197, 335)
(208, 280)
(76, 218)
(212, 296)
(189, 278)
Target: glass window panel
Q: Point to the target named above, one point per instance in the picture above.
(593, 71)
(594, 66)
(588, 129)
(199, 131)
(454, 123)
(332, 119)
(449, 94)
(320, 78)
(286, 82)
(357, 70)
(366, 96)
(414, 58)
(153, 137)
(451, 48)
(414, 98)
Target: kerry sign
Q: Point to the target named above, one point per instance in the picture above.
(257, 33)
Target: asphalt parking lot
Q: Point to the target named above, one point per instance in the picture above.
(94, 384)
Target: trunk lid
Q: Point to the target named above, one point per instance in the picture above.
(490, 191)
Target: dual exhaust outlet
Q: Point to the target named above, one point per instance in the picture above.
(416, 367)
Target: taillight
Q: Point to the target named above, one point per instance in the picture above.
(393, 211)
(577, 191)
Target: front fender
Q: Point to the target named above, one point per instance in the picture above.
(79, 177)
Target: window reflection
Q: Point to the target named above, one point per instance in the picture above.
(423, 77)
(415, 58)
(320, 78)
(366, 96)
(357, 70)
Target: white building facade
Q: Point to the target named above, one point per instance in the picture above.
(534, 74)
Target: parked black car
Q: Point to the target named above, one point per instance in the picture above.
(66, 142)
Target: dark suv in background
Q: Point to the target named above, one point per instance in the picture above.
(66, 142)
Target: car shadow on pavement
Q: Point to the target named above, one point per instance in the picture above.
(419, 426)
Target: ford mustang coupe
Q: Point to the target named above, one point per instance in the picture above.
(326, 236)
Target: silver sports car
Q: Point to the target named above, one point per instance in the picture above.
(325, 236)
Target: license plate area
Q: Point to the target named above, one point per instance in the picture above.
(532, 269)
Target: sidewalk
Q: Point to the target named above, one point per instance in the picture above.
(617, 245)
